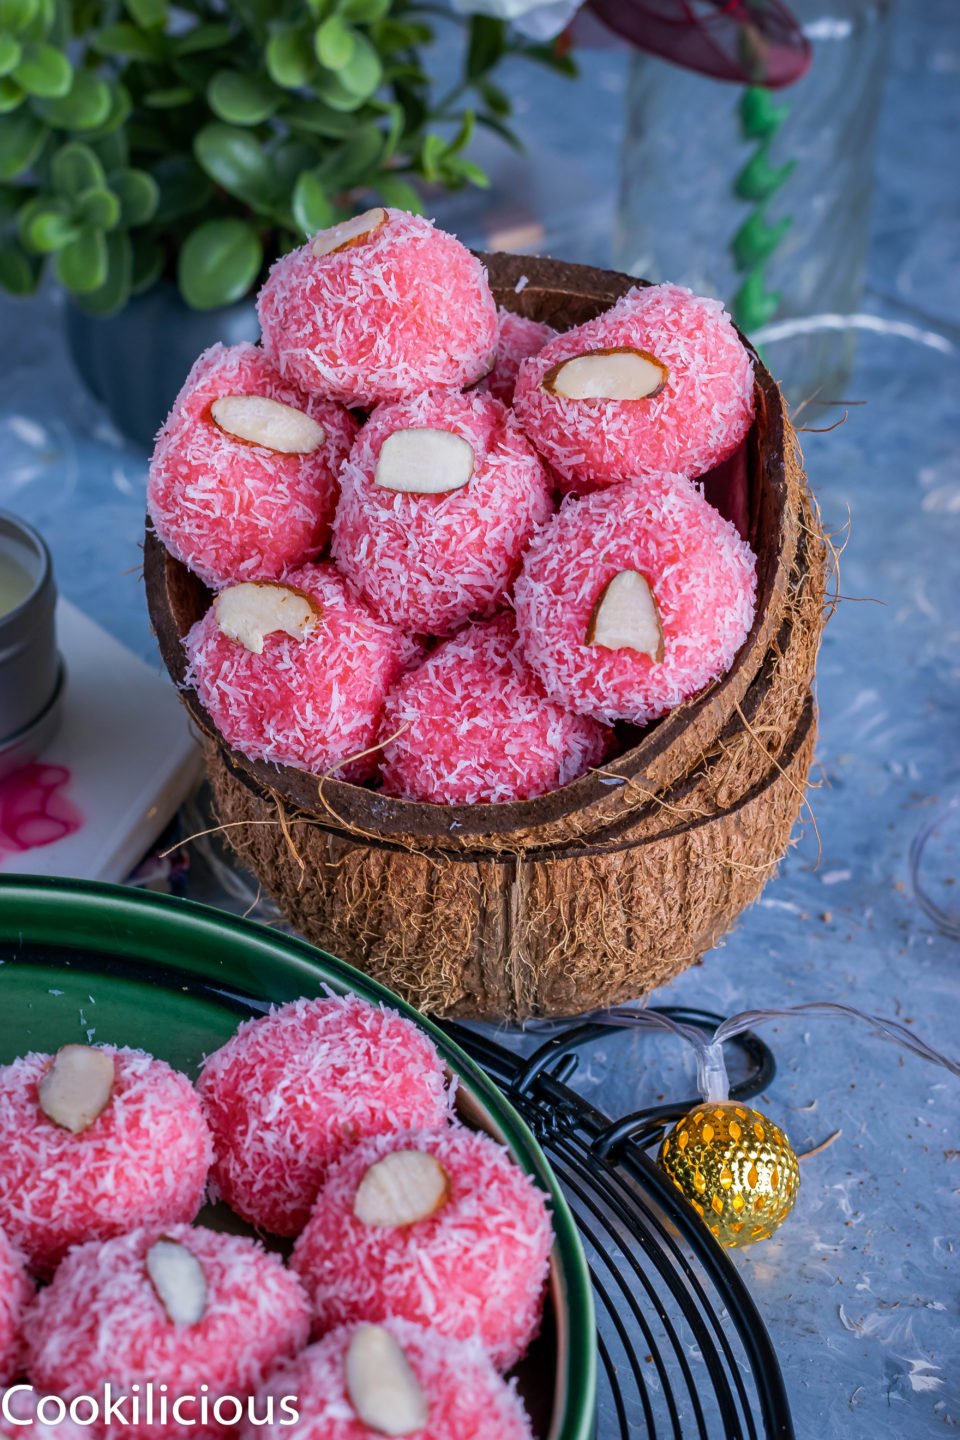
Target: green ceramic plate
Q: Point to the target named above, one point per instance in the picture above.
(99, 962)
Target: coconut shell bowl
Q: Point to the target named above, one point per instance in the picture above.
(602, 890)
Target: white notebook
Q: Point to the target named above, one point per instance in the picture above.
(125, 741)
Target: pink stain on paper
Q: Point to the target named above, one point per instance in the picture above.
(34, 811)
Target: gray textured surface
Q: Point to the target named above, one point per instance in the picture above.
(859, 1289)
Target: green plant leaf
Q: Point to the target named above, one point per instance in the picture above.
(46, 224)
(464, 135)
(171, 99)
(352, 162)
(395, 191)
(138, 195)
(11, 96)
(76, 168)
(148, 264)
(184, 188)
(148, 14)
(11, 52)
(316, 118)
(458, 169)
(99, 209)
(19, 273)
(44, 71)
(127, 42)
(82, 265)
(312, 208)
(111, 150)
(363, 72)
(488, 42)
(86, 105)
(16, 15)
(121, 107)
(290, 57)
(335, 94)
(202, 38)
(334, 43)
(241, 99)
(364, 12)
(235, 160)
(114, 293)
(432, 153)
(22, 138)
(219, 263)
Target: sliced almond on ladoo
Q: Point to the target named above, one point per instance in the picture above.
(261, 421)
(617, 373)
(251, 611)
(382, 1387)
(349, 232)
(424, 462)
(402, 1188)
(178, 1279)
(626, 617)
(77, 1087)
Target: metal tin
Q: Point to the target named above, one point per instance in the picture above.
(31, 674)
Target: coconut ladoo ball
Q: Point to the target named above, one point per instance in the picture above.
(473, 725)
(362, 1382)
(661, 381)
(379, 307)
(16, 1291)
(94, 1141)
(296, 671)
(517, 339)
(439, 499)
(441, 1228)
(186, 1307)
(290, 1092)
(632, 600)
(243, 479)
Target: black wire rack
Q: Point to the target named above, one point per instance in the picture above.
(683, 1350)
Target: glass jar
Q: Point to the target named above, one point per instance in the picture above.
(762, 198)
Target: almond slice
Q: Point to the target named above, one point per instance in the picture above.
(251, 611)
(382, 1387)
(178, 1279)
(626, 617)
(402, 1188)
(617, 373)
(76, 1087)
(261, 421)
(349, 232)
(424, 462)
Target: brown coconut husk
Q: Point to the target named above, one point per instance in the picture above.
(605, 888)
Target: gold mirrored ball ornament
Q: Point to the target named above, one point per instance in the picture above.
(736, 1168)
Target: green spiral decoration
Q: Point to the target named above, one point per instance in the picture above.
(759, 180)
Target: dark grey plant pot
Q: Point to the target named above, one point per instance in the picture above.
(136, 361)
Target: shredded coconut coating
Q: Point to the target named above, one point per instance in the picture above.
(703, 578)
(144, 1160)
(699, 418)
(313, 703)
(22, 1405)
(467, 1399)
(15, 1293)
(431, 562)
(405, 309)
(288, 1093)
(101, 1320)
(476, 727)
(476, 1268)
(517, 339)
(230, 509)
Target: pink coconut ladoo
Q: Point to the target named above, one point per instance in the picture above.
(143, 1159)
(691, 396)
(243, 479)
(377, 309)
(451, 1382)
(15, 1292)
(188, 1308)
(474, 1265)
(439, 499)
(473, 725)
(677, 620)
(517, 339)
(311, 699)
(290, 1092)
